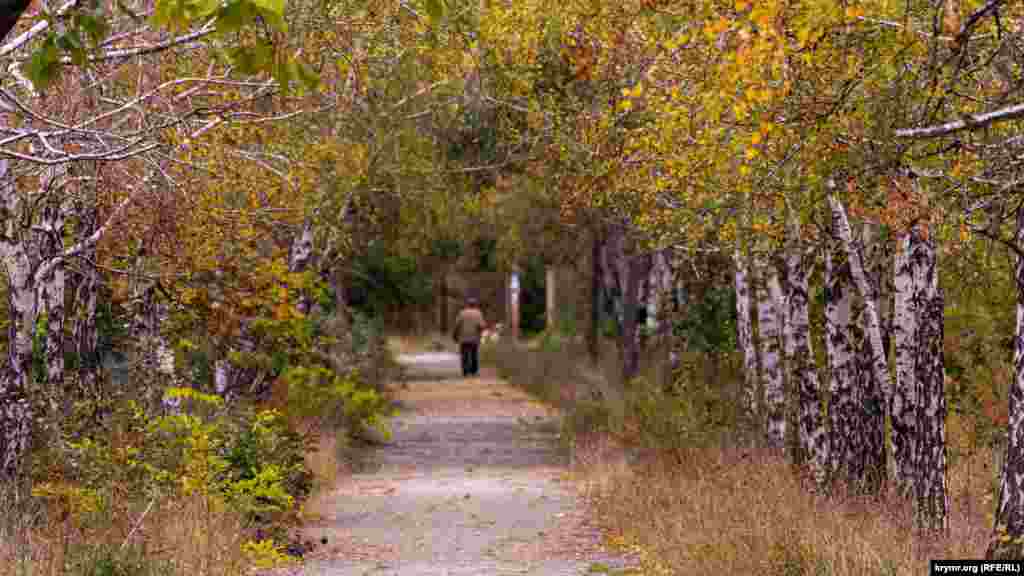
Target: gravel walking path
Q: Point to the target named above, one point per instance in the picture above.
(473, 483)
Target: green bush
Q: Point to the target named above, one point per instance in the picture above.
(241, 459)
(320, 393)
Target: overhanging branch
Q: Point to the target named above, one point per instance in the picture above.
(968, 122)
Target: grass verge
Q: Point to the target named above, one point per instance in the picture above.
(667, 473)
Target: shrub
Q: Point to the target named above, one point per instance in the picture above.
(203, 464)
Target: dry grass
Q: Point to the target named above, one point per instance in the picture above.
(133, 537)
(191, 536)
(740, 512)
(726, 510)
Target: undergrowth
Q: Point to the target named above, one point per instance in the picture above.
(670, 471)
(189, 483)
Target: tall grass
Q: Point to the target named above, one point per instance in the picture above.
(667, 467)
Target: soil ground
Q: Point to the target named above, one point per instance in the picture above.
(472, 483)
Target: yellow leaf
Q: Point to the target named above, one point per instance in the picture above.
(751, 153)
(755, 138)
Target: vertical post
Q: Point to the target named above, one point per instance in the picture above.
(444, 303)
(513, 306)
(549, 289)
(595, 298)
(630, 351)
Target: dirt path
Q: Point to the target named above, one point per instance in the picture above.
(472, 484)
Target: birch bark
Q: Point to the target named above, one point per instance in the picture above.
(745, 334)
(902, 409)
(770, 324)
(15, 409)
(813, 439)
(873, 450)
(844, 408)
(931, 494)
(879, 366)
(1008, 533)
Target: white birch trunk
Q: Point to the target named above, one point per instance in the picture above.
(770, 323)
(879, 365)
(931, 494)
(1008, 531)
(844, 409)
(15, 380)
(868, 389)
(745, 335)
(300, 258)
(813, 440)
(903, 407)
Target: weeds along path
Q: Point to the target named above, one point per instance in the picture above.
(473, 483)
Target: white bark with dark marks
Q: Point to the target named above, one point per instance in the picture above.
(814, 448)
(301, 258)
(745, 334)
(870, 397)
(902, 409)
(931, 494)
(879, 365)
(1009, 516)
(15, 378)
(770, 323)
(844, 408)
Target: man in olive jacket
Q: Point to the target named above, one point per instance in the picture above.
(469, 326)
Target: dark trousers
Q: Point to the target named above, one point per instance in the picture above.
(470, 358)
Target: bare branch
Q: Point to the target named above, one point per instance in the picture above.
(32, 32)
(969, 122)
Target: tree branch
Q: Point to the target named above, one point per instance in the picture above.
(969, 122)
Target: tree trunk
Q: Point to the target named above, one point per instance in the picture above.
(931, 495)
(15, 380)
(902, 409)
(301, 258)
(879, 365)
(83, 327)
(770, 323)
(1008, 538)
(813, 439)
(630, 349)
(844, 405)
(872, 402)
(444, 302)
(550, 314)
(918, 409)
(594, 336)
(745, 335)
(50, 295)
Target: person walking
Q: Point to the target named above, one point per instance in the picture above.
(469, 326)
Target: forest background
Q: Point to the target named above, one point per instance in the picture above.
(808, 210)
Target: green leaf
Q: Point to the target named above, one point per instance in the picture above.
(273, 12)
(234, 16)
(435, 8)
(205, 8)
(44, 65)
(308, 76)
(95, 28)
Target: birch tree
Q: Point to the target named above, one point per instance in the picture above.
(871, 399)
(813, 439)
(845, 407)
(66, 102)
(1009, 516)
(745, 336)
(770, 322)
